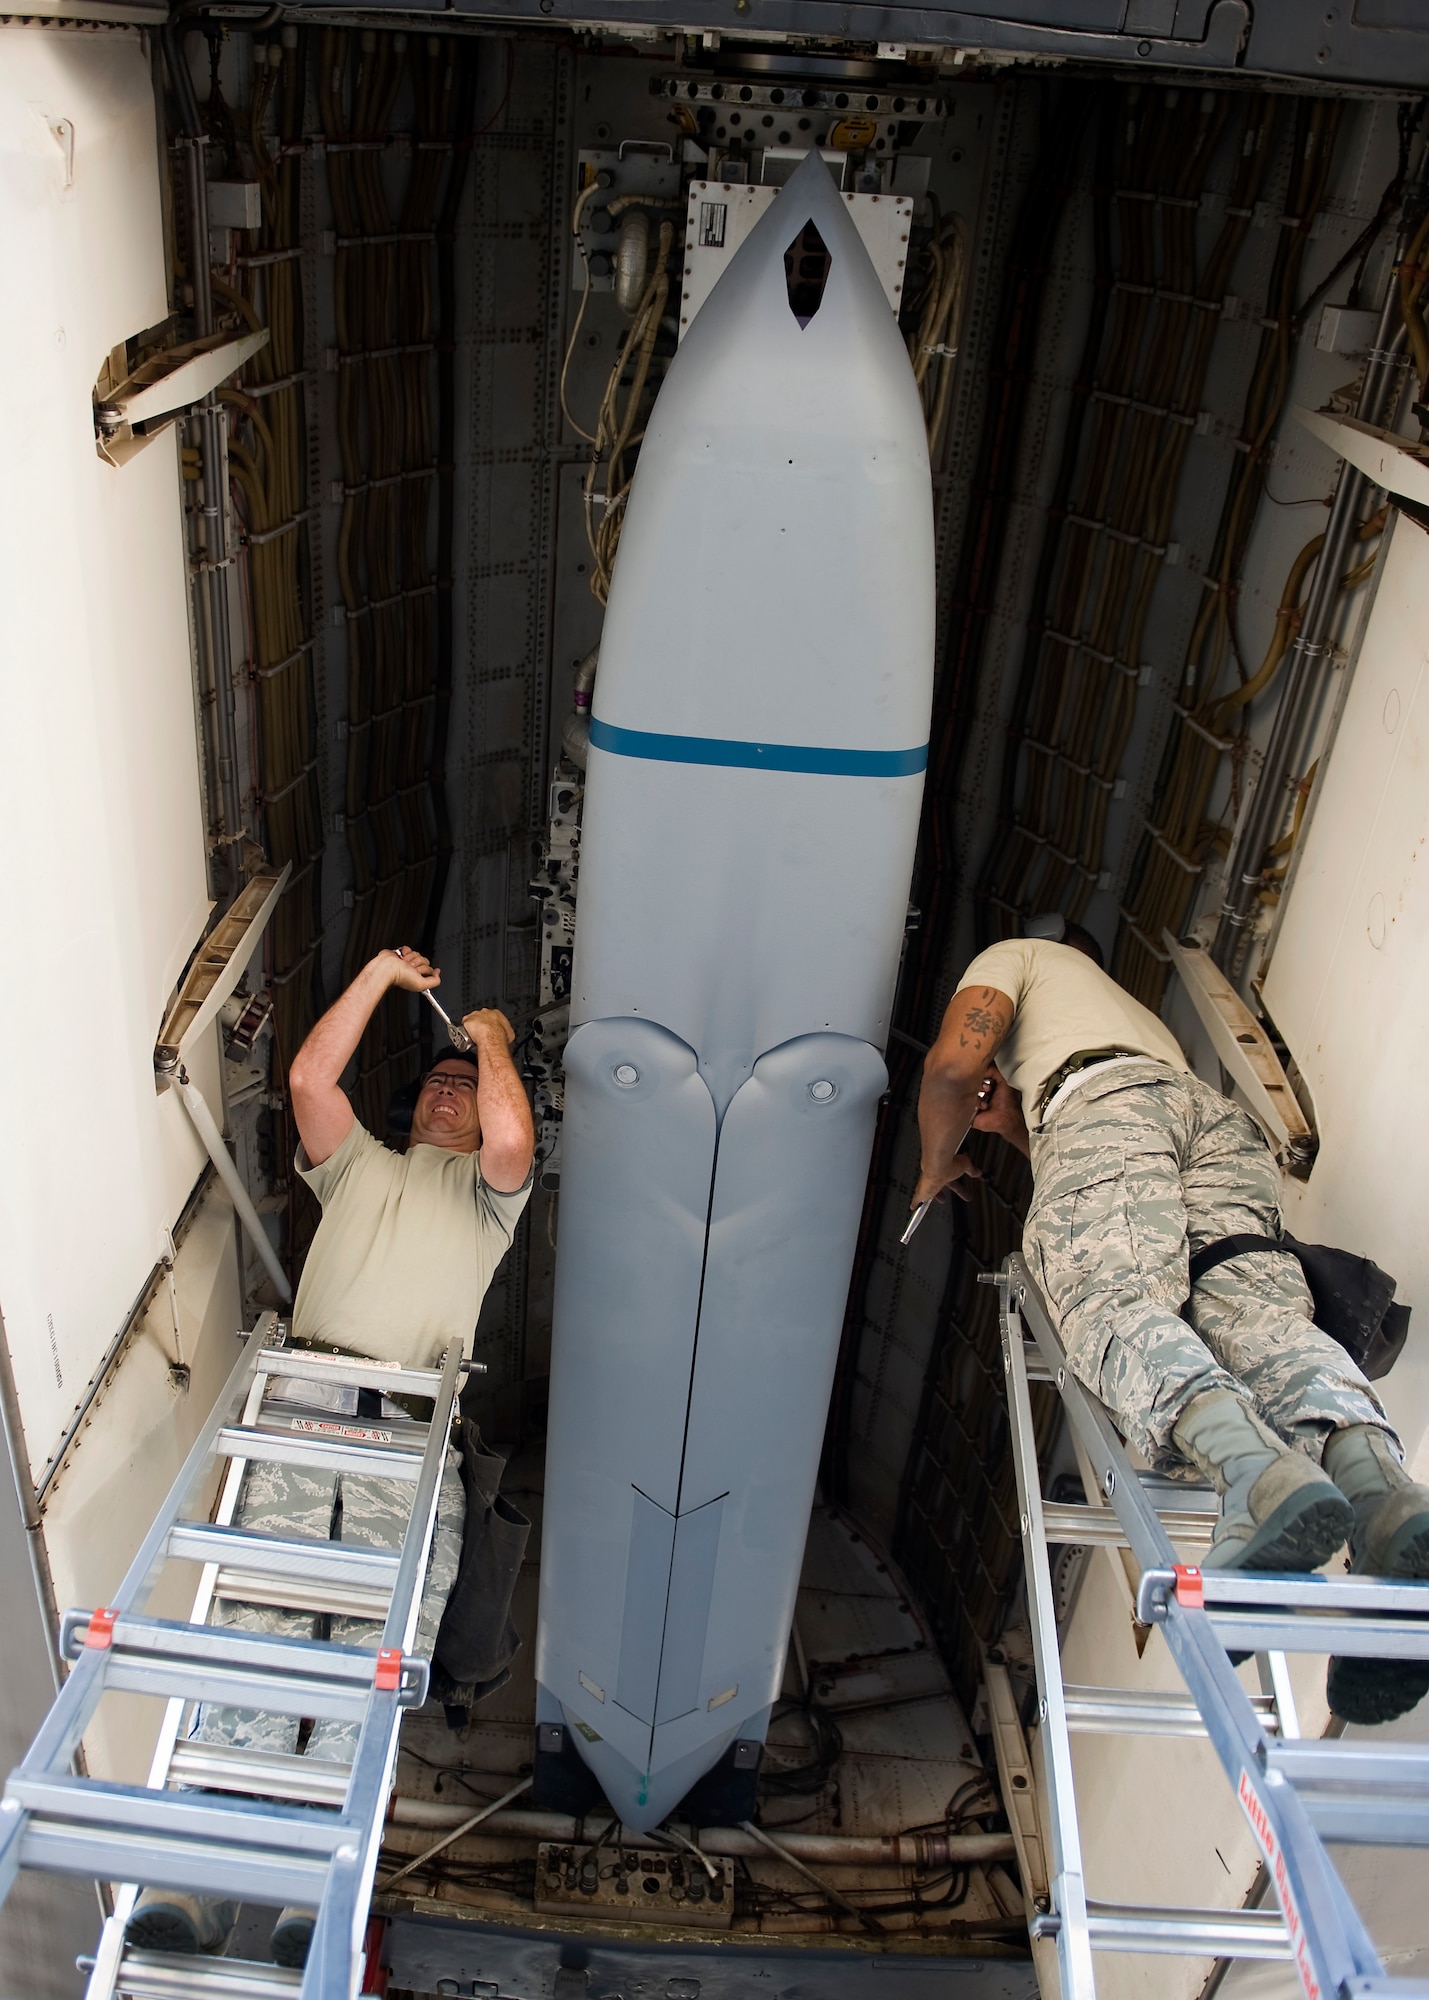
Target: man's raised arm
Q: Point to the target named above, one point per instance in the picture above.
(954, 1070)
(320, 1103)
(508, 1137)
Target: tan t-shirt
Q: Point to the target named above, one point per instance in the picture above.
(407, 1245)
(1063, 1003)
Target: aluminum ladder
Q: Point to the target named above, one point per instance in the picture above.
(212, 1819)
(1296, 1794)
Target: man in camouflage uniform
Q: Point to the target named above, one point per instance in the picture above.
(1136, 1165)
(403, 1255)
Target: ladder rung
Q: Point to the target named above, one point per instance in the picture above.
(303, 1365)
(109, 1854)
(1194, 1933)
(1391, 1986)
(1370, 1596)
(161, 1975)
(1366, 1794)
(233, 1687)
(1179, 1496)
(243, 1669)
(273, 1555)
(1350, 1636)
(1366, 1819)
(245, 1586)
(271, 1774)
(1387, 1767)
(1095, 1711)
(320, 1454)
(311, 1420)
(1068, 1522)
(140, 1811)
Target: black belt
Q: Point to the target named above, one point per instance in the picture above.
(303, 1345)
(1083, 1059)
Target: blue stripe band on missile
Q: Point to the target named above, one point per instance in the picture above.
(732, 753)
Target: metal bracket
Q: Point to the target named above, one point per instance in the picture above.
(1158, 1587)
(218, 965)
(1396, 463)
(1247, 1053)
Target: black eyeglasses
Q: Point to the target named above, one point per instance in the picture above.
(452, 1082)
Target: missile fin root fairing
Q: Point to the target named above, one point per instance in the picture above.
(758, 744)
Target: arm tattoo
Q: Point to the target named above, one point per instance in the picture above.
(982, 1019)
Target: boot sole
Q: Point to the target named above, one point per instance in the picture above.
(1407, 1555)
(1304, 1531)
(1374, 1691)
(290, 1942)
(162, 1929)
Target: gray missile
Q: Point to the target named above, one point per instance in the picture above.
(757, 750)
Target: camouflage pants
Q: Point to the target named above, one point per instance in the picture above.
(293, 1501)
(1133, 1172)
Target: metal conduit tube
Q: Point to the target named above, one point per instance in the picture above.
(215, 648)
(1265, 799)
(907, 1850)
(13, 1427)
(196, 1105)
(575, 736)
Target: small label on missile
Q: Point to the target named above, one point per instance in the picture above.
(713, 215)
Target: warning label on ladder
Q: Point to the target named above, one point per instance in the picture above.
(1275, 1861)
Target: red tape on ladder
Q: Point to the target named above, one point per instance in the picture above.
(389, 1669)
(101, 1629)
(1190, 1588)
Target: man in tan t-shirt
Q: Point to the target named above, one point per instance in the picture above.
(408, 1243)
(406, 1248)
(1137, 1164)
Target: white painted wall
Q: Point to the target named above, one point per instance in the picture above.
(102, 896)
(124, 1462)
(1349, 981)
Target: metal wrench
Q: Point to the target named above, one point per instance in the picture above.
(456, 1034)
(460, 1039)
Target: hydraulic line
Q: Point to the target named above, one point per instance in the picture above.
(1264, 804)
(267, 458)
(615, 432)
(210, 568)
(932, 343)
(1211, 725)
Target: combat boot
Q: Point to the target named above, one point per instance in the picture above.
(1390, 1539)
(292, 1934)
(1278, 1510)
(169, 1920)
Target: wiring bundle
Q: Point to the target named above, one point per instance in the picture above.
(1211, 723)
(267, 456)
(1149, 348)
(387, 338)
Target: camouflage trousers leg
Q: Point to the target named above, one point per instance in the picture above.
(1135, 1171)
(302, 1505)
(295, 1502)
(374, 1513)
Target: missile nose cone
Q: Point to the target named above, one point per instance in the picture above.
(780, 518)
(801, 305)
